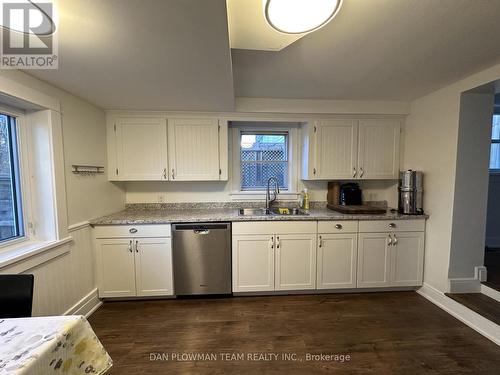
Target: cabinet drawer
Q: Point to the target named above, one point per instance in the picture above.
(348, 226)
(132, 231)
(391, 226)
(275, 227)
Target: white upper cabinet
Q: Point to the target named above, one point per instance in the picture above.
(350, 149)
(378, 156)
(336, 149)
(141, 149)
(193, 149)
(157, 149)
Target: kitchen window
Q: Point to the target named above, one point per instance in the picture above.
(262, 156)
(495, 145)
(260, 150)
(11, 213)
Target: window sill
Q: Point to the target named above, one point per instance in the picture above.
(23, 251)
(261, 195)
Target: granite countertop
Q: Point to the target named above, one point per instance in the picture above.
(165, 215)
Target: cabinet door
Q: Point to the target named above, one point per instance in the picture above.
(337, 261)
(193, 149)
(378, 149)
(153, 266)
(295, 261)
(253, 263)
(336, 149)
(141, 149)
(374, 260)
(407, 259)
(115, 268)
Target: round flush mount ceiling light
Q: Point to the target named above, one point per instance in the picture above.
(300, 16)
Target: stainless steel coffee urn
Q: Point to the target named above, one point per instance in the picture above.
(410, 192)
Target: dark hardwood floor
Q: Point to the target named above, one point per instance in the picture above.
(480, 303)
(383, 333)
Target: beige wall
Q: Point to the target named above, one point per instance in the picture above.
(431, 145)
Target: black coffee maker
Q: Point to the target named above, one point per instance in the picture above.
(350, 195)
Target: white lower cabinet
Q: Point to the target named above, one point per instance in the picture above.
(134, 266)
(115, 268)
(390, 259)
(374, 260)
(153, 265)
(295, 262)
(408, 259)
(337, 261)
(274, 256)
(253, 263)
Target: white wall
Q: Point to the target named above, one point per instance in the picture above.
(431, 145)
(471, 185)
(493, 217)
(62, 282)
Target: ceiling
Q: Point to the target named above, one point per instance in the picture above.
(152, 54)
(248, 28)
(175, 54)
(383, 49)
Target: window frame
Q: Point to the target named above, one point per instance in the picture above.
(287, 160)
(22, 179)
(495, 171)
(236, 129)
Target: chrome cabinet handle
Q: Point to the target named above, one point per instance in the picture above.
(164, 173)
(362, 172)
(338, 226)
(132, 230)
(130, 246)
(395, 242)
(320, 241)
(355, 172)
(390, 241)
(392, 225)
(173, 174)
(136, 246)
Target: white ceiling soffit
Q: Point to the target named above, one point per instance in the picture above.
(378, 50)
(248, 28)
(150, 55)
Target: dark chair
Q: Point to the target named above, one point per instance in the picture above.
(16, 296)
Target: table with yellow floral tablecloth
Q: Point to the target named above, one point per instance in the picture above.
(51, 345)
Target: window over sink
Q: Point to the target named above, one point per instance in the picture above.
(262, 156)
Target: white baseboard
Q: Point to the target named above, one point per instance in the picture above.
(86, 306)
(468, 284)
(490, 292)
(477, 322)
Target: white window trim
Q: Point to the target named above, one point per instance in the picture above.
(293, 162)
(36, 248)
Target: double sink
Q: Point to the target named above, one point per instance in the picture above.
(275, 211)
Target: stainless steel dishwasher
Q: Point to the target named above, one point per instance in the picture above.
(202, 258)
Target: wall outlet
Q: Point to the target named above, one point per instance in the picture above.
(162, 197)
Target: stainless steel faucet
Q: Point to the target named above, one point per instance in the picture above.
(276, 191)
